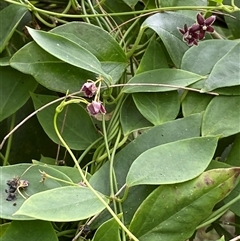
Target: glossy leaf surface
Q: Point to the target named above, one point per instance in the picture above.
(30, 230)
(62, 204)
(158, 107)
(33, 176)
(15, 88)
(195, 103)
(108, 231)
(48, 70)
(13, 13)
(222, 116)
(165, 25)
(67, 51)
(153, 58)
(174, 162)
(178, 78)
(130, 117)
(172, 212)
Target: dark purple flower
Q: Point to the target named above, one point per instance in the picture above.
(190, 35)
(95, 108)
(89, 89)
(205, 25)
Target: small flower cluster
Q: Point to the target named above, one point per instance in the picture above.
(96, 107)
(197, 31)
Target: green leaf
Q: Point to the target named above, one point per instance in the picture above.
(49, 71)
(29, 231)
(195, 103)
(62, 204)
(94, 39)
(233, 20)
(3, 228)
(153, 58)
(159, 135)
(100, 43)
(151, 81)
(172, 212)
(9, 20)
(211, 53)
(158, 107)
(165, 25)
(79, 131)
(130, 117)
(222, 238)
(131, 3)
(220, 72)
(234, 157)
(67, 51)
(15, 88)
(155, 136)
(4, 61)
(33, 176)
(108, 231)
(174, 162)
(222, 116)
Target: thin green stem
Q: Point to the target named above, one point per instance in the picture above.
(88, 149)
(58, 110)
(227, 8)
(9, 143)
(111, 169)
(135, 45)
(104, 156)
(105, 137)
(45, 175)
(84, 11)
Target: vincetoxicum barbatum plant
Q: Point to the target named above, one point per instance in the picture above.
(161, 162)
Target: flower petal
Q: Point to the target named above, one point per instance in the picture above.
(210, 20)
(210, 29)
(200, 19)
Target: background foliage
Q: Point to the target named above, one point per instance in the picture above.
(161, 164)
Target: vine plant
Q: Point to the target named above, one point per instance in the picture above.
(134, 130)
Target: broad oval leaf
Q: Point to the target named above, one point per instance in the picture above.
(100, 43)
(108, 231)
(172, 212)
(29, 231)
(15, 88)
(48, 70)
(62, 204)
(32, 174)
(222, 116)
(130, 117)
(13, 13)
(220, 75)
(195, 103)
(211, 54)
(94, 39)
(67, 51)
(79, 131)
(160, 80)
(174, 162)
(158, 107)
(168, 132)
(166, 26)
(153, 58)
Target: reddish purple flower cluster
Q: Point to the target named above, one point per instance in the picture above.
(197, 31)
(96, 107)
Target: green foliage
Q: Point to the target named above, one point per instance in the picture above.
(145, 125)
